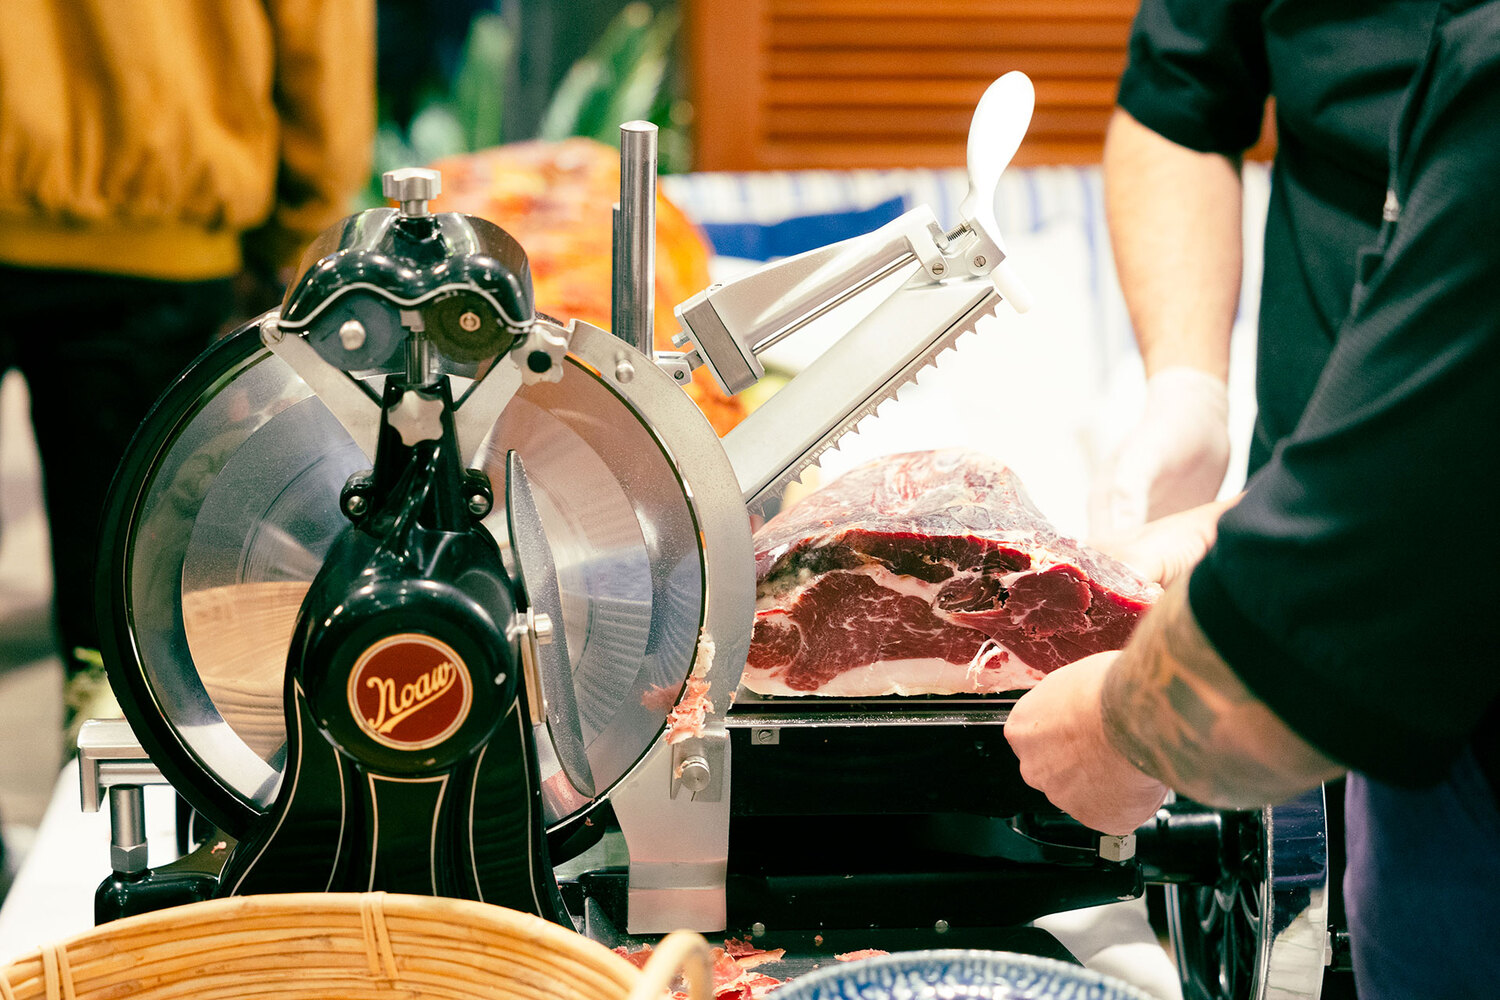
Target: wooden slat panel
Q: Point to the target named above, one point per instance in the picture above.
(963, 63)
(876, 10)
(947, 125)
(795, 155)
(786, 84)
(923, 33)
(781, 92)
(726, 42)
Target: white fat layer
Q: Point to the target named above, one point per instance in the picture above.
(932, 675)
(705, 655)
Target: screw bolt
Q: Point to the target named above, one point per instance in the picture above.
(766, 737)
(356, 505)
(979, 260)
(479, 505)
(624, 370)
(413, 187)
(938, 267)
(941, 927)
(695, 774)
(352, 335)
(469, 321)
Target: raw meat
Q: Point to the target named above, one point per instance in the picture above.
(928, 573)
(732, 964)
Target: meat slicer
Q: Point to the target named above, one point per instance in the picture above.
(407, 586)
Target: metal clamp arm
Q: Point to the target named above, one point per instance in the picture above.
(733, 322)
(109, 755)
(110, 758)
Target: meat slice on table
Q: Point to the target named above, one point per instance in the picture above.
(929, 573)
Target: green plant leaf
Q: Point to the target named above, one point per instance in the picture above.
(436, 132)
(479, 84)
(634, 95)
(583, 102)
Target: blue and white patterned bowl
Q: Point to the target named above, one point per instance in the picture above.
(957, 975)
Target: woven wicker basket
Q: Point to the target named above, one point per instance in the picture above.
(359, 946)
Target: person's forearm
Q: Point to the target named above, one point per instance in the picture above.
(1175, 224)
(1177, 712)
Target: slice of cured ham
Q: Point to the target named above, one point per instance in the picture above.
(929, 573)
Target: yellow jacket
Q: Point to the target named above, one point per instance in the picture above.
(146, 137)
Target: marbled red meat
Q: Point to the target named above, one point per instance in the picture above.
(929, 573)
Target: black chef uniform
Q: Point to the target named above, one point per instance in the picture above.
(1347, 588)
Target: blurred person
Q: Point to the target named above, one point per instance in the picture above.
(1330, 621)
(1192, 100)
(150, 153)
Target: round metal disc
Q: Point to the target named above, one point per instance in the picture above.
(228, 502)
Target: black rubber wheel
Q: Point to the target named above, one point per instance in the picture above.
(1259, 928)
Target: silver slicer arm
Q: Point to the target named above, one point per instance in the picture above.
(919, 286)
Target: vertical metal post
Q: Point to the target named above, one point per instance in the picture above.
(127, 827)
(633, 309)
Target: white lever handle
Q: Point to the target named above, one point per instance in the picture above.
(999, 124)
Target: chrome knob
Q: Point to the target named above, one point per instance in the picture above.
(412, 187)
(695, 773)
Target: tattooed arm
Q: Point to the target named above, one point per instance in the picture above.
(1106, 736)
(1177, 712)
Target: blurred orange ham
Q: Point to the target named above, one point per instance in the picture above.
(556, 199)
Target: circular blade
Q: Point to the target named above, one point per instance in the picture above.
(628, 557)
(227, 502)
(257, 542)
(539, 580)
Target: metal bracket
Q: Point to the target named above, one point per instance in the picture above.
(1117, 848)
(733, 322)
(679, 846)
(349, 402)
(109, 755)
(110, 758)
(679, 365)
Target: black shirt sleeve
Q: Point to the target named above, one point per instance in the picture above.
(1350, 589)
(1197, 72)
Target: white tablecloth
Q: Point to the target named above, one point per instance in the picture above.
(53, 895)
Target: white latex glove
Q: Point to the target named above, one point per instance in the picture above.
(1174, 458)
(1167, 549)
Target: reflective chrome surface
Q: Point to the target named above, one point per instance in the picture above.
(549, 652)
(1297, 945)
(238, 508)
(625, 545)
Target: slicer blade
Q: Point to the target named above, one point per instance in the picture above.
(849, 381)
(539, 577)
